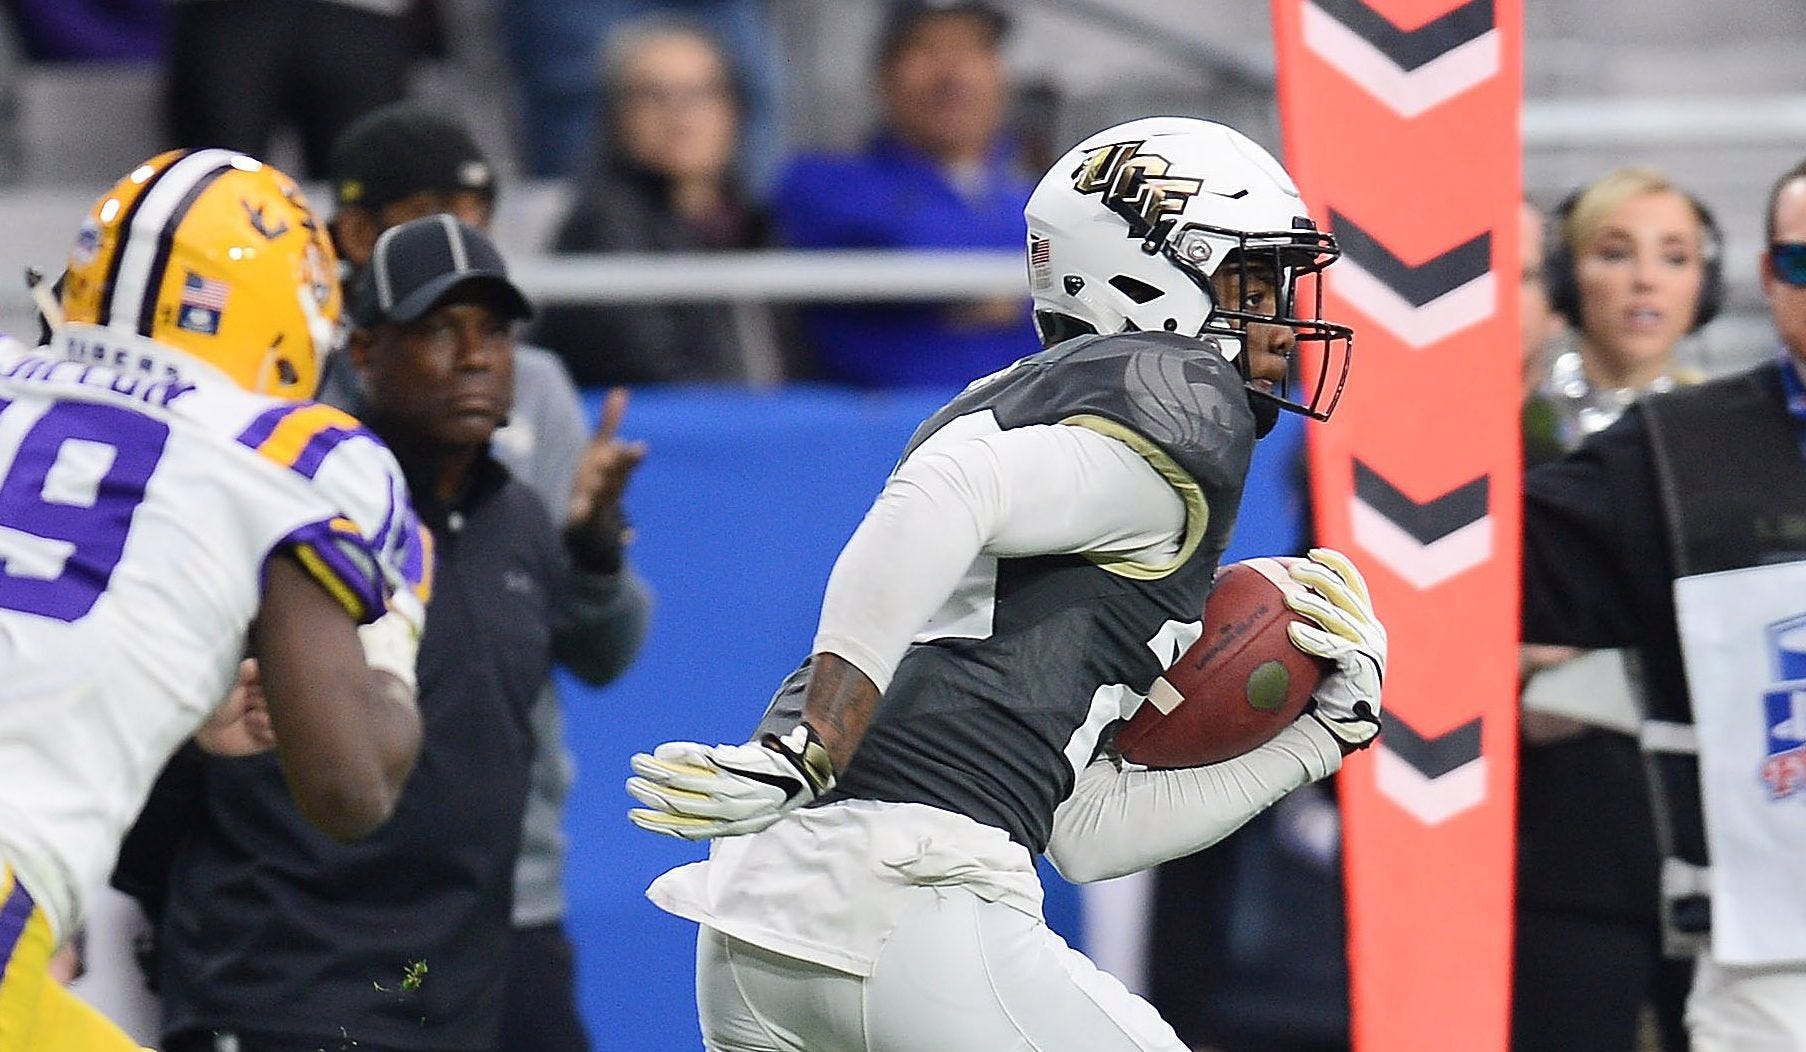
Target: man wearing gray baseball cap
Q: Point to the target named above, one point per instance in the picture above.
(278, 941)
(415, 267)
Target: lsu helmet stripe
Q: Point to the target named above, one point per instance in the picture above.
(105, 312)
(157, 213)
(147, 314)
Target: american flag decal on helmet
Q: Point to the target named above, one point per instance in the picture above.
(1040, 262)
(203, 301)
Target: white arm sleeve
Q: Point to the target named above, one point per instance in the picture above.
(1041, 490)
(1121, 821)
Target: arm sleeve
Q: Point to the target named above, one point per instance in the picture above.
(1042, 490)
(1123, 820)
(602, 624)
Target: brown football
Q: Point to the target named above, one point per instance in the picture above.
(1240, 684)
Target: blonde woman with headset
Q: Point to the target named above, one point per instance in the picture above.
(1632, 264)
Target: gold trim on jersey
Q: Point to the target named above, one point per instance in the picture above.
(300, 427)
(335, 586)
(1197, 509)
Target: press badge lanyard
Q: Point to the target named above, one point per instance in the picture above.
(1796, 395)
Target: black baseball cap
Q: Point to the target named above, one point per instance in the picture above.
(905, 16)
(403, 149)
(420, 265)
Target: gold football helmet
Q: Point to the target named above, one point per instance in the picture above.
(216, 255)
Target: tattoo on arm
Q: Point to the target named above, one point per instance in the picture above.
(839, 704)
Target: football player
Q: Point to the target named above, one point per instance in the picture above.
(1044, 547)
(169, 505)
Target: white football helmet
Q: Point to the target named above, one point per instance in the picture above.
(1127, 229)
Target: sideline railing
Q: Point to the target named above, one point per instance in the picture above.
(791, 276)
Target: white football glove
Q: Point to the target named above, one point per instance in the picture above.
(697, 792)
(1344, 631)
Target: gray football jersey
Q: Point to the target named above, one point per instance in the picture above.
(994, 715)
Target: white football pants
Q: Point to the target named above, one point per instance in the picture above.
(1737, 1008)
(959, 974)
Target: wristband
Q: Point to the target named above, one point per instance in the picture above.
(391, 645)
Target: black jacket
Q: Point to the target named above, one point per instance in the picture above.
(622, 209)
(1597, 574)
(399, 940)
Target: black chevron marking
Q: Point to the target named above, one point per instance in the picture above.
(1417, 284)
(1430, 521)
(1433, 757)
(1419, 46)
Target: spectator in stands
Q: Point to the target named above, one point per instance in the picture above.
(1632, 264)
(91, 30)
(275, 939)
(239, 70)
(397, 164)
(553, 45)
(1681, 531)
(663, 177)
(941, 174)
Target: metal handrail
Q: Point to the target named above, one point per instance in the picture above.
(826, 275)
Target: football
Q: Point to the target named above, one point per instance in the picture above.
(1240, 684)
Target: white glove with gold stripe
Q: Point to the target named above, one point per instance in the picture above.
(698, 792)
(1346, 632)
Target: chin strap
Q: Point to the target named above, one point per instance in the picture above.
(1266, 412)
(45, 300)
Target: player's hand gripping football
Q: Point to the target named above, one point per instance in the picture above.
(1346, 633)
(698, 792)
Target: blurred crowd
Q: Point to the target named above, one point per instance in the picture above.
(662, 117)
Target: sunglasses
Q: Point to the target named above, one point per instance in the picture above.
(1788, 259)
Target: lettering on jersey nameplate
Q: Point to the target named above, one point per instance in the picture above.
(95, 367)
(1137, 187)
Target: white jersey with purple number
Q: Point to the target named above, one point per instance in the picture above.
(141, 494)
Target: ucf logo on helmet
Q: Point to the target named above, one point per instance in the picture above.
(1135, 186)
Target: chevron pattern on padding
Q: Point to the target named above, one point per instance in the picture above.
(1427, 521)
(1410, 71)
(1433, 778)
(1419, 303)
(1424, 542)
(1417, 284)
(1411, 49)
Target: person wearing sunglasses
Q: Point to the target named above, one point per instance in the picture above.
(1680, 532)
(1784, 282)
